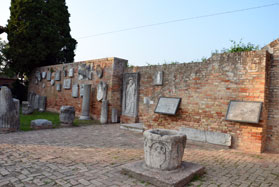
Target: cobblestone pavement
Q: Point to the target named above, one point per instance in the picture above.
(93, 156)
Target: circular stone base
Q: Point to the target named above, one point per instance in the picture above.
(84, 117)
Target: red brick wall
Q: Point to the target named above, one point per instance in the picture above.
(272, 143)
(206, 89)
(112, 75)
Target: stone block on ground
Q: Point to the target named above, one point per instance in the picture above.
(42, 103)
(174, 178)
(67, 115)
(138, 127)
(41, 124)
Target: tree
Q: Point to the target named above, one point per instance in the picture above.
(39, 35)
(2, 29)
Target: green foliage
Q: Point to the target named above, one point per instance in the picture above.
(240, 47)
(19, 90)
(39, 35)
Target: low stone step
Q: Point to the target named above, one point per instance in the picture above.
(138, 127)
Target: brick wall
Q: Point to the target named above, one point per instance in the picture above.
(112, 75)
(272, 143)
(206, 89)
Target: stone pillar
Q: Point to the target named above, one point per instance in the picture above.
(104, 112)
(36, 102)
(86, 103)
(114, 115)
(163, 149)
(42, 103)
(9, 116)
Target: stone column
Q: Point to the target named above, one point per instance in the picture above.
(86, 103)
(104, 112)
(42, 103)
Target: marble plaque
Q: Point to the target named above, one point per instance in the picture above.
(44, 75)
(71, 72)
(82, 72)
(57, 75)
(67, 84)
(58, 87)
(75, 90)
(167, 105)
(158, 78)
(43, 85)
(244, 111)
(99, 71)
(130, 94)
(49, 76)
(101, 91)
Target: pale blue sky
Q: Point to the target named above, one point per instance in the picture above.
(181, 41)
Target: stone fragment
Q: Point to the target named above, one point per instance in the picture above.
(163, 149)
(158, 78)
(17, 104)
(71, 72)
(104, 112)
(58, 75)
(65, 73)
(99, 71)
(81, 90)
(36, 102)
(38, 75)
(49, 76)
(114, 115)
(67, 84)
(43, 85)
(86, 103)
(75, 90)
(67, 114)
(52, 82)
(58, 87)
(101, 91)
(9, 113)
(41, 124)
(26, 108)
(42, 103)
(43, 74)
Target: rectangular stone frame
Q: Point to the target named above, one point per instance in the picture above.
(136, 78)
(258, 106)
(176, 99)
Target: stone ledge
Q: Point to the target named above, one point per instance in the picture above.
(175, 178)
(138, 127)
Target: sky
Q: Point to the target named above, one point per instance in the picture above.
(184, 41)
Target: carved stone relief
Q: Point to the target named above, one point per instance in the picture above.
(101, 91)
(71, 72)
(67, 84)
(58, 75)
(99, 71)
(52, 82)
(158, 78)
(58, 87)
(75, 90)
(44, 75)
(84, 72)
(49, 76)
(130, 94)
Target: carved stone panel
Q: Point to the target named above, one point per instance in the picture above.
(167, 105)
(101, 91)
(130, 94)
(52, 82)
(81, 90)
(158, 78)
(71, 72)
(49, 76)
(75, 90)
(67, 84)
(58, 75)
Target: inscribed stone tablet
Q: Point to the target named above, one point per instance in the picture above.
(99, 71)
(101, 91)
(52, 82)
(167, 105)
(71, 72)
(75, 90)
(38, 75)
(244, 111)
(49, 76)
(58, 75)
(67, 84)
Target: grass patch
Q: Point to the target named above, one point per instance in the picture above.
(25, 120)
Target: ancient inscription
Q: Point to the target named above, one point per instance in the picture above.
(241, 111)
(101, 91)
(49, 76)
(58, 75)
(167, 105)
(58, 87)
(99, 71)
(67, 84)
(71, 72)
(43, 74)
(158, 78)
(75, 90)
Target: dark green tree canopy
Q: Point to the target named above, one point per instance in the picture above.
(39, 35)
